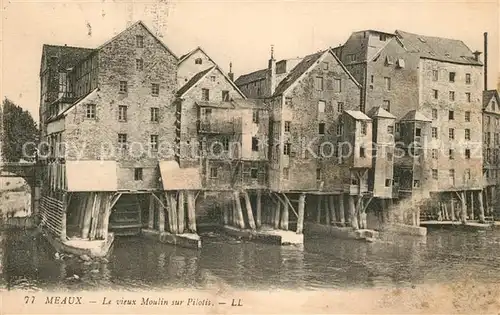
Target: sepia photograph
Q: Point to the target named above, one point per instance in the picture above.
(257, 157)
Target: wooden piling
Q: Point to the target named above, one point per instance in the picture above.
(64, 214)
(452, 202)
(333, 213)
(319, 200)
(181, 215)
(95, 216)
(173, 210)
(341, 209)
(352, 213)
(300, 219)
(481, 207)
(151, 219)
(464, 207)
(277, 215)
(248, 206)
(161, 215)
(259, 209)
(284, 217)
(472, 205)
(239, 210)
(88, 215)
(225, 213)
(327, 210)
(105, 223)
(191, 211)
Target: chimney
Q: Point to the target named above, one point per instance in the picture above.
(485, 69)
(231, 74)
(272, 72)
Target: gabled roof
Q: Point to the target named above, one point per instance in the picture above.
(307, 63)
(356, 114)
(488, 95)
(86, 99)
(186, 56)
(415, 115)
(379, 112)
(200, 76)
(68, 56)
(437, 48)
(251, 77)
(147, 29)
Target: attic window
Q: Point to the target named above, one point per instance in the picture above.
(382, 37)
(401, 63)
(198, 61)
(388, 60)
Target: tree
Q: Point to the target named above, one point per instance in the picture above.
(17, 129)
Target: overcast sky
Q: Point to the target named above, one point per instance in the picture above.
(237, 31)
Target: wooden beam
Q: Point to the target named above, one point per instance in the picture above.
(191, 200)
(151, 215)
(300, 219)
(239, 210)
(290, 204)
(368, 203)
(158, 200)
(258, 221)
(277, 213)
(318, 208)
(180, 212)
(248, 206)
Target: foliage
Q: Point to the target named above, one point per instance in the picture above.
(17, 128)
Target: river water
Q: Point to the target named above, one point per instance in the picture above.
(28, 262)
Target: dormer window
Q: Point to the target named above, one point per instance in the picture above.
(139, 41)
(382, 37)
(198, 61)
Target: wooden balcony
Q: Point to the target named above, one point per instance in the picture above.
(229, 126)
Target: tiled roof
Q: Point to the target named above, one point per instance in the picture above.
(437, 48)
(296, 72)
(415, 115)
(251, 77)
(197, 77)
(380, 112)
(488, 95)
(68, 56)
(358, 115)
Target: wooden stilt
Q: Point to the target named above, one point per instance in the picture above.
(95, 216)
(418, 216)
(341, 209)
(440, 211)
(333, 213)
(151, 218)
(277, 215)
(105, 223)
(352, 213)
(319, 200)
(481, 208)
(284, 217)
(239, 210)
(300, 219)
(63, 219)
(259, 209)
(181, 215)
(452, 203)
(173, 212)
(464, 207)
(248, 206)
(472, 205)
(327, 210)
(445, 212)
(161, 214)
(191, 211)
(225, 210)
(88, 215)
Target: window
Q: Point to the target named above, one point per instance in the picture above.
(434, 173)
(198, 61)
(90, 111)
(288, 101)
(435, 75)
(318, 174)
(255, 116)
(398, 127)
(254, 173)
(452, 174)
(382, 37)
(139, 64)
(123, 86)
(467, 173)
(319, 83)
(467, 134)
(488, 120)
(467, 78)
(225, 96)
(387, 81)
(467, 153)
(325, 65)
(434, 153)
(371, 79)
(451, 115)
(337, 85)
(340, 129)
(493, 105)
(153, 142)
(434, 132)
(388, 182)
(155, 114)
(435, 94)
(321, 106)
(213, 172)
(255, 144)
(205, 95)
(286, 148)
(138, 173)
(416, 183)
(452, 95)
(467, 97)
(155, 89)
(364, 127)
(418, 132)
(351, 57)
(122, 113)
(287, 126)
(390, 130)
(340, 107)
(387, 105)
(467, 116)
(451, 154)
(212, 78)
(122, 140)
(321, 128)
(139, 41)
(286, 172)
(452, 76)
(362, 152)
(225, 143)
(451, 133)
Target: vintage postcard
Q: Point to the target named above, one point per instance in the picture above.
(249, 157)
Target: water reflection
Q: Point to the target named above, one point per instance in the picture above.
(28, 262)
